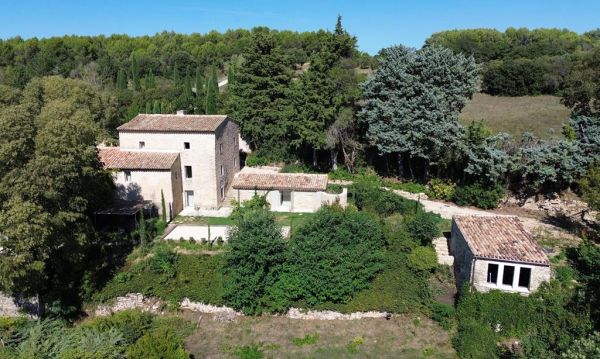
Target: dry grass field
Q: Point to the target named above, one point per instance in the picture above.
(278, 337)
(542, 115)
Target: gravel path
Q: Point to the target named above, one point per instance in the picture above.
(447, 210)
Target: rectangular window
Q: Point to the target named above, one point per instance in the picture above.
(127, 176)
(524, 277)
(220, 148)
(222, 192)
(286, 197)
(186, 145)
(508, 276)
(492, 273)
(142, 145)
(222, 171)
(188, 171)
(189, 198)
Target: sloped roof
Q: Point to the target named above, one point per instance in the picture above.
(173, 123)
(115, 158)
(281, 181)
(501, 238)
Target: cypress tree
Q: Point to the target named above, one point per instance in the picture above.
(142, 229)
(163, 215)
(148, 107)
(121, 80)
(199, 106)
(212, 93)
(230, 74)
(135, 77)
(176, 79)
(156, 107)
(187, 87)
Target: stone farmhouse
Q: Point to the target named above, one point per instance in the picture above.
(194, 162)
(496, 252)
(190, 158)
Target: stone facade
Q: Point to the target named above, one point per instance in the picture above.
(469, 268)
(136, 185)
(204, 152)
(301, 202)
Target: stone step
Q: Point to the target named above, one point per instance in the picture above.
(447, 260)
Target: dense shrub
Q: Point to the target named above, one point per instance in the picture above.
(422, 259)
(131, 324)
(441, 189)
(423, 227)
(161, 343)
(332, 256)
(547, 322)
(475, 340)
(195, 276)
(368, 195)
(254, 262)
(411, 187)
(257, 202)
(479, 196)
(443, 314)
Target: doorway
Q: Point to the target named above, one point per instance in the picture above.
(189, 198)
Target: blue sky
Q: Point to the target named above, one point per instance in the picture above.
(376, 23)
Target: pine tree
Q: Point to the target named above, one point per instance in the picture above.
(121, 80)
(259, 97)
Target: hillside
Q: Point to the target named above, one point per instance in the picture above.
(542, 115)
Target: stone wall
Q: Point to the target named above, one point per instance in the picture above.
(463, 257)
(539, 274)
(147, 185)
(227, 156)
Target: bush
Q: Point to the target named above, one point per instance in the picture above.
(257, 253)
(335, 188)
(422, 259)
(131, 323)
(443, 314)
(368, 195)
(475, 340)
(441, 189)
(423, 227)
(479, 196)
(333, 255)
(254, 160)
(161, 343)
(411, 187)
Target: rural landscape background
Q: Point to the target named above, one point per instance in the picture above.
(476, 120)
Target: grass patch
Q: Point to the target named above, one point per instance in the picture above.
(308, 339)
(542, 115)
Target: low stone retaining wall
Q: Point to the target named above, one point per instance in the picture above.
(200, 231)
(222, 313)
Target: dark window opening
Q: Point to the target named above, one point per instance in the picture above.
(188, 171)
(142, 144)
(492, 273)
(186, 145)
(524, 277)
(509, 274)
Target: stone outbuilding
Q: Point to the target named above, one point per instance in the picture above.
(497, 252)
(287, 192)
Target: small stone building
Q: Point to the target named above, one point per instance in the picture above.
(497, 252)
(287, 192)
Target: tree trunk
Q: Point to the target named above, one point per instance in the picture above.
(334, 156)
(426, 167)
(41, 307)
(314, 157)
(400, 166)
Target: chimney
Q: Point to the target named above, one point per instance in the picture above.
(180, 112)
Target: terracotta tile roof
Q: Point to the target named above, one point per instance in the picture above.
(115, 158)
(173, 123)
(501, 238)
(280, 181)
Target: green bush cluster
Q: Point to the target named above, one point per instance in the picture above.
(441, 189)
(170, 277)
(369, 196)
(130, 334)
(479, 195)
(423, 227)
(547, 322)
